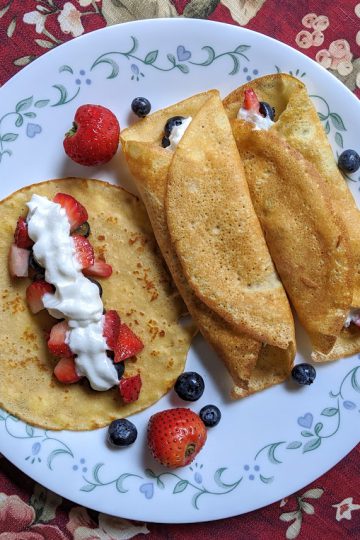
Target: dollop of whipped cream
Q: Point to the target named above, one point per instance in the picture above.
(353, 317)
(76, 298)
(177, 133)
(259, 121)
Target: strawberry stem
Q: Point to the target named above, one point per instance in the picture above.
(72, 131)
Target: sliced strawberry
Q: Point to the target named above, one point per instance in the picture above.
(65, 371)
(129, 388)
(83, 251)
(18, 261)
(56, 342)
(98, 269)
(35, 293)
(128, 344)
(76, 213)
(21, 235)
(251, 102)
(111, 328)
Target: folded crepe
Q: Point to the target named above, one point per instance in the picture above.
(140, 290)
(307, 212)
(256, 345)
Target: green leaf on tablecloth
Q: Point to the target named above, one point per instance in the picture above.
(307, 507)
(24, 104)
(241, 48)
(200, 9)
(211, 55)
(322, 116)
(45, 503)
(24, 60)
(289, 516)
(160, 483)
(318, 427)
(19, 121)
(180, 486)
(314, 493)
(171, 59)
(327, 127)
(266, 480)
(11, 28)
(44, 43)
(120, 481)
(236, 64)
(30, 114)
(337, 121)
(4, 10)
(96, 470)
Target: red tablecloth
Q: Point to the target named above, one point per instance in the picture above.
(329, 32)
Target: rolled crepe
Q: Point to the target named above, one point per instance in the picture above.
(294, 183)
(252, 365)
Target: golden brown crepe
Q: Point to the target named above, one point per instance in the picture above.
(150, 165)
(308, 214)
(139, 289)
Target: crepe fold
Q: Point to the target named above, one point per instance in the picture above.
(308, 215)
(216, 253)
(140, 289)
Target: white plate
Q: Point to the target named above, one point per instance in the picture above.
(266, 446)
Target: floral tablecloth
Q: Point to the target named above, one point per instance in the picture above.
(328, 31)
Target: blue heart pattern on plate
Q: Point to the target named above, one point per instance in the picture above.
(306, 420)
(147, 490)
(33, 129)
(183, 54)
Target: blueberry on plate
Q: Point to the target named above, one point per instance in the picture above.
(171, 123)
(349, 161)
(141, 106)
(189, 386)
(266, 110)
(303, 373)
(165, 142)
(120, 368)
(121, 432)
(83, 230)
(210, 415)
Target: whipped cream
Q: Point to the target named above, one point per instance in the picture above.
(76, 298)
(259, 121)
(353, 316)
(177, 133)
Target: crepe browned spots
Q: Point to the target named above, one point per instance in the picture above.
(140, 289)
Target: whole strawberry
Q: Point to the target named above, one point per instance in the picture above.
(94, 137)
(176, 436)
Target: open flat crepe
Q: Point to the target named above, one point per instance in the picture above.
(306, 209)
(140, 289)
(243, 353)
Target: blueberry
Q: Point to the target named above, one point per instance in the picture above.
(97, 284)
(83, 230)
(349, 161)
(266, 110)
(171, 123)
(141, 106)
(121, 432)
(210, 415)
(189, 386)
(120, 368)
(37, 271)
(165, 142)
(304, 373)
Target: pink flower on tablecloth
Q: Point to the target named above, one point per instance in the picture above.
(323, 57)
(309, 20)
(318, 38)
(321, 23)
(82, 527)
(70, 20)
(339, 48)
(17, 522)
(343, 509)
(34, 17)
(304, 39)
